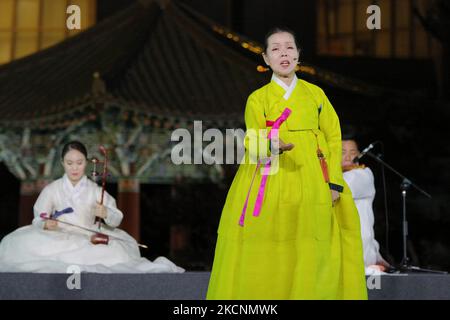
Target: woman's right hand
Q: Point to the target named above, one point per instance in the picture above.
(281, 145)
(50, 225)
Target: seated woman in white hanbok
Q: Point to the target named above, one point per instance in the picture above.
(52, 247)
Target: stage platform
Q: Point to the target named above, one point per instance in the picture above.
(189, 286)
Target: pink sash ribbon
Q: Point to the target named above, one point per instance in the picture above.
(259, 199)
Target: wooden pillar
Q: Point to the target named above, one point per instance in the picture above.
(128, 201)
(41, 183)
(28, 196)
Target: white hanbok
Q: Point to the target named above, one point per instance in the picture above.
(34, 249)
(362, 185)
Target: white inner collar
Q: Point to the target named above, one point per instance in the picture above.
(288, 89)
(74, 189)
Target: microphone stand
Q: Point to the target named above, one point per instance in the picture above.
(405, 265)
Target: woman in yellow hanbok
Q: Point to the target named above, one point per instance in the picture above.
(303, 239)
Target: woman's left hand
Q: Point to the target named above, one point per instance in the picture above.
(334, 196)
(100, 211)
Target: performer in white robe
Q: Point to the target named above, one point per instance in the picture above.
(360, 180)
(51, 247)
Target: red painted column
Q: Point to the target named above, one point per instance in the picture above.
(29, 192)
(28, 196)
(128, 201)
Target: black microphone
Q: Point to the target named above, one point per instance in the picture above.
(362, 154)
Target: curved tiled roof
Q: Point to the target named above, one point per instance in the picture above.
(151, 57)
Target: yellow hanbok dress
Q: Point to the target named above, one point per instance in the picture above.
(300, 246)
